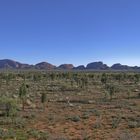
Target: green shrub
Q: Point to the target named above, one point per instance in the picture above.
(7, 134)
(5, 121)
(74, 118)
(20, 135)
(10, 106)
(133, 124)
(97, 125)
(40, 135)
(85, 115)
(94, 112)
(19, 123)
(111, 89)
(116, 121)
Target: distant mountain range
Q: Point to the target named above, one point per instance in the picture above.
(11, 64)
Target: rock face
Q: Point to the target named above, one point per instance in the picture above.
(81, 67)
(11, 64)
(97, 66)
(66, 66)
(118, 66)
(45, 66)
(7, 63)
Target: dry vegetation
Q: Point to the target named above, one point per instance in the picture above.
(39, 105)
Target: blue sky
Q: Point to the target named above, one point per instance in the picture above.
(70, 31)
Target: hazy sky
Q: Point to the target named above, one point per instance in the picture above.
(70, 31)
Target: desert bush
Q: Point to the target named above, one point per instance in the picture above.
(44, 136)
(7, 134)
(19, 122)
(136, 78)
(39, 135)
(133, 124)
(85, 115)
(104, 79)
(43, 99)
(9, 106)
(116, 121)
(6, 121)
(74, 118)
(98, 123)
(23, 94)
(126, 136)
(21, 135)
(128, 93)
(112, 89)
(94, 112)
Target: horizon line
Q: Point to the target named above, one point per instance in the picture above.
(57, 65)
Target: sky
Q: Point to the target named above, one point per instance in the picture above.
(70, 31)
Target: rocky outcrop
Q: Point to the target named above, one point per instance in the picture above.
(97, 66)
(45, 66)
(118, 66)
(66, 66)
(81, 67)
(11, 64)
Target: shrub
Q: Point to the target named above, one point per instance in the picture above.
(116, 121)
(74, 118)
(40, 135)
(19, 123)
(22, 94)
(112, 89)
(7, 134)
(104, 79)
(9, 106)
(94, 112)
(133, 124)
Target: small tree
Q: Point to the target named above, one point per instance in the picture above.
(7, 78)
(72, 82)
(43, 99)
(136, 78)
(139, 95)
(22, 94)
(118, 77)
(128, 93)
(104, 79)
(10, 106)
(111, 90)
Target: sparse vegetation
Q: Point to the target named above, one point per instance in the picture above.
(75, 102)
